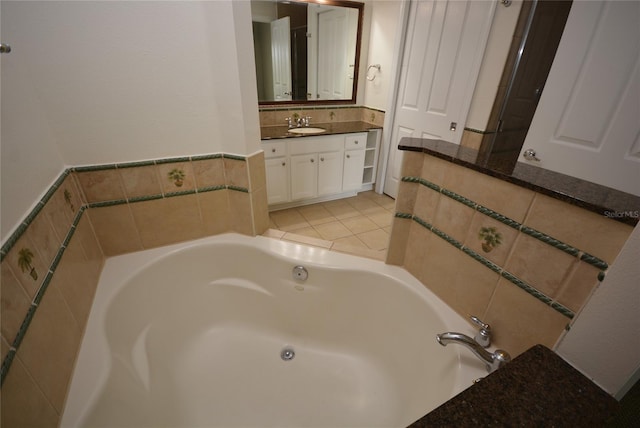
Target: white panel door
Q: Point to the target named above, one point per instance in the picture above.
(277, 171)
(587, 124)
(281, 58)
(445, 42)
(304, 176)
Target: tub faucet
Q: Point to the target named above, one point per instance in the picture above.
(493, 360)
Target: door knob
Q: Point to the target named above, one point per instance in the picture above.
(530, 155)
(4, 48)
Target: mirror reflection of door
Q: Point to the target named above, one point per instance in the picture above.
(281, 58)
(336, 30)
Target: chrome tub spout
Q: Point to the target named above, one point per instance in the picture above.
(493, 360)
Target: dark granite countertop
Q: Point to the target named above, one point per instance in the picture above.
(281, 131)
(620, 206)
(538, 388)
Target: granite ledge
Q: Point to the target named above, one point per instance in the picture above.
(281, 131)
(614, 204)
(538, 388)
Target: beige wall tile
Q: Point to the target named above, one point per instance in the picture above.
(214, 209)
(471, 287)
(411, 164)
(240, 212)
(577, 289)
(585, 230)
(77, 279)
(30, 276)
(59, 211)
(426, 203)
(497, 254)
(319, 116)
(175, 184)
(418, 249)
(14, 301)
(167, 221)
(506, 198)
(398, 241)
(90, 245)
(236, 173)
(519, 320)
(260, 210)
(104, 185)
(70, 193)
(140, 181)
(471, 139)
(209, 172)
(540, 265)
(50, 346)
(433, 169)
(435, 260)
(23, 403)
(453, 218)
(44, 238)
(115, 229)
(257, 172)
(407, 195)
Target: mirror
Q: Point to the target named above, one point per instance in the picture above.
(306, 52)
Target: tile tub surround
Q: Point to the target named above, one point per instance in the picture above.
(522, 261)
(52, 262)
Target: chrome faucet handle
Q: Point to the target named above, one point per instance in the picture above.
(289, 122)
(307, 120)
(483, 337)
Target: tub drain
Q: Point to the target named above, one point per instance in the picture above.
(287, 354)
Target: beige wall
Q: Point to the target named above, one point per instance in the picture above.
(551, 257)
(92, 213)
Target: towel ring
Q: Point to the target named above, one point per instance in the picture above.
(376, 66)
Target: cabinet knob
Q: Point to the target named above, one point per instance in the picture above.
(356, 142)
(312, 160)
(348, 156)
(273, 150)
(284, 163)
(322, 159)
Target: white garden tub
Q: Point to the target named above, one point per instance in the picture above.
(194, 335)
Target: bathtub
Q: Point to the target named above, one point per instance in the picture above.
(218, 332)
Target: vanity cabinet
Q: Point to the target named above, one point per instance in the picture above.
(314, 168)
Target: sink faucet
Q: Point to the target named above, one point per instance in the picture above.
(493, 360)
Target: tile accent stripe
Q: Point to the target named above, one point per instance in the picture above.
(6, 364)
(549, 240)
(489, 264)
(22, 227)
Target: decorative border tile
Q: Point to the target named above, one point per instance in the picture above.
(489, 264)
(547, 239)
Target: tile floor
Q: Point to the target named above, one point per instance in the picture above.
(358, 225)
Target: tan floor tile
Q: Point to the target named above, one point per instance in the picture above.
(381, 219)
(273, 233)
(376, 239)
(332, 231)
(341, 209)
(359, 224)
(307, 231)
(306, 240)
(351, 241)
(362, 204)
(316, 214)
(290, 219)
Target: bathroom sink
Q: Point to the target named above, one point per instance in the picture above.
(306, 130)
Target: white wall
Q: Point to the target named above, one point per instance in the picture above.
(101, 82)
(385, 16)
(604, 341)
(495, 57)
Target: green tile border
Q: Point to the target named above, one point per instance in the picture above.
(42, 289)
(543, 237)
(31, 216)
(490, 265)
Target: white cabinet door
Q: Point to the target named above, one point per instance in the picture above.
(329, 173)
(304, 176)
(353, 167)
(277, 170)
